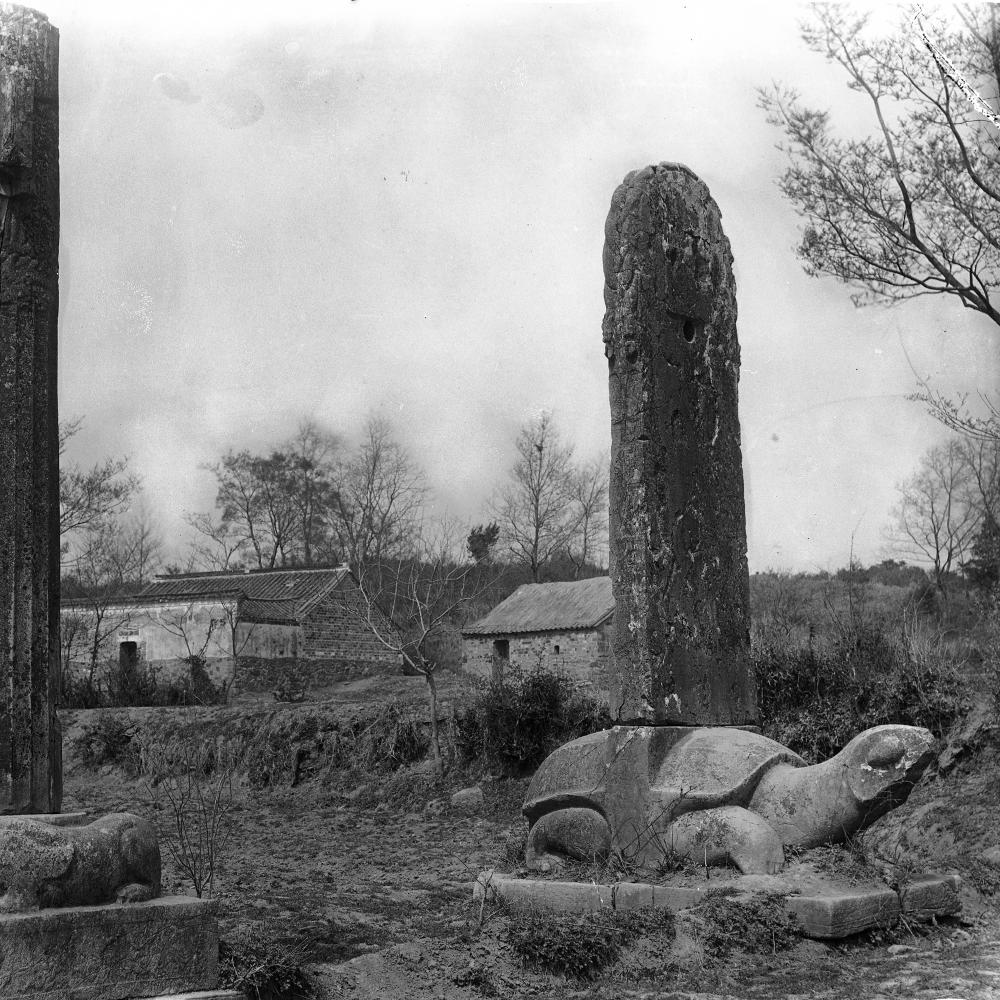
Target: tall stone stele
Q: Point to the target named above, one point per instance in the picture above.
(678, 524)
(30, 742)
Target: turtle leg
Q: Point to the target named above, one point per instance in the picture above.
(728, 833)
(578, 833)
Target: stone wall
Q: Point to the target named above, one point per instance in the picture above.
(583, 654)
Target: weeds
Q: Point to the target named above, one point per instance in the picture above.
(256, 961)
(758, 924)
(580, 944)
(123, 685)
(109, 740)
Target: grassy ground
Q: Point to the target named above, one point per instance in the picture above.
(371, 873)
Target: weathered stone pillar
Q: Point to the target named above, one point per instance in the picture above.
(678, 532)
(30, 741)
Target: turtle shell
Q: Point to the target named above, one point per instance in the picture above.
(711, 767)
(632, 773)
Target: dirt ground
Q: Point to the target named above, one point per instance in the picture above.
(377, 880)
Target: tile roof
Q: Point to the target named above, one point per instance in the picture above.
(265, 585)
(277, 596)
(548, 607)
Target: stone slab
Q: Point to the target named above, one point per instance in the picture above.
(53, 819)
(847, 912)
(203, 995)
(823, 911)
(166, 946)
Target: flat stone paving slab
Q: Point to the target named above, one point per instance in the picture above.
(824, 908)
(167, 946)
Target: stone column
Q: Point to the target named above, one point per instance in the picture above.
(30, 741)
(678, 532)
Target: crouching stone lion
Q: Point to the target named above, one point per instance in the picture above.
(117, 857)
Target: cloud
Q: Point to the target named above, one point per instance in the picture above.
(176, 88)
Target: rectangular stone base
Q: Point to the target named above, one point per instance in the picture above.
(822, 911)
(166, 946)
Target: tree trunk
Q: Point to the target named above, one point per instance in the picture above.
(428, 673)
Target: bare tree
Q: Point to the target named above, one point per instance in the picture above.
(253, 501)
(535, 508)
(934, 521)
(88, 496)
(589, 496)
(307, 463)
(914, 208)
(409, 602)
(379, 499)
(195, 634)
(218, 545)
(99, 583)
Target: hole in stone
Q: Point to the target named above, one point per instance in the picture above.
(672, 255)
(689, 330)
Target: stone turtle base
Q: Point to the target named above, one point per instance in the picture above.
(824, 908)
(167, 946)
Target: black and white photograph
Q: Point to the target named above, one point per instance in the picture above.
(499, 499)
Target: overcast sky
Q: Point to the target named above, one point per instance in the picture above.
(291, 211)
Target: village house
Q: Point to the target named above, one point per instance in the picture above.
(254, 624)
(564, 627)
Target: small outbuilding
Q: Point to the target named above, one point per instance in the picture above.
(564, 627)
(255, 625)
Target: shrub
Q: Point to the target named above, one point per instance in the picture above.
(517, 720)
(816, 699)
(195, 784)
(580, 944)
(117, 685)
(108, 740)
(257, 962)
(758, 924)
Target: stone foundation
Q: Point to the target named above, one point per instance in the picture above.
(166, 946)
(823, 910)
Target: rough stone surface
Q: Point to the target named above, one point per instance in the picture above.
(678, 523)
(53, 819)
(116, 857)
(823, 911)
(30, 745)
(991, 856)
(165, 946)
(468, 799)
(712, 795)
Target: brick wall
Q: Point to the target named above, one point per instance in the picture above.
(335, 631)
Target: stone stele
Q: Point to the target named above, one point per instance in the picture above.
(30, 741)
(677, 532)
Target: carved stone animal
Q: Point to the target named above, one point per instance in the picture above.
(715, 795)
(117, 857)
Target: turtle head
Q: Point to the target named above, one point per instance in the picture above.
(883, 764)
